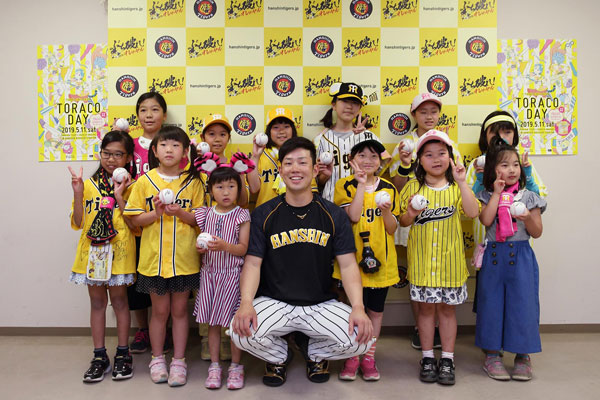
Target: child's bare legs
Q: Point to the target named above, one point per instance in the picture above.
(141, 317)
(98, 303)
(214, 342)
(236, 354)
(376, 320)
(426, 325)
(118, 300)
(161, 306)
(180, 328)
(447, 317)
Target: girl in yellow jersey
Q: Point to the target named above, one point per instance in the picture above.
(437, 270)
(169, 264)
(374, 221)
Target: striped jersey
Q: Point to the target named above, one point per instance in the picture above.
(123, 244)
(168, 245)
(436, 256)
(339, 145)
(371, 221)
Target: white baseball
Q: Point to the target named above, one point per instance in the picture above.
(517, 208)
(203, 147)
(326, 157)
(261, 139)
(381, 198)
(203, 239)
(166, 196)
(120, 174)
(480, 161)
(409, 146)
(121, 124)
(419, 202)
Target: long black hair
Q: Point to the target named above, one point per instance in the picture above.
(223, 174)
(126, 141)
(279, 120)
(420, 171)
(499, 151)
(173, 132)
(496, 127)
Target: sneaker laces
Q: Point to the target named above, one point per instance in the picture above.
(445, 367)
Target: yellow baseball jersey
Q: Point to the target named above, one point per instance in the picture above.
(478, 227)
(123, 244)
(168, 246)
(371, 221)
(436, 255)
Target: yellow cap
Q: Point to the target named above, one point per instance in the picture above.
(280, 112)
(215, 119)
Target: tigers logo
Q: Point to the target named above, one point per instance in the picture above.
(126, 48)
(166, 8)
(286, 46)
(205, 9)
(438, 84)
(361, 47)
(168, 85)
(249, 84)
(441, 46)
(319, 86)
(361, 9)
(283, 85)
(243, 8)
(316, 9)
(445, 123)
(398, 8)
(472, 9)
(321, 46)
(166, 47)
(434, 214)
(203, 48)
(244, 124)
(399, 124)
(127, 86)
(477, 47)
(404, 84)
(475, 86)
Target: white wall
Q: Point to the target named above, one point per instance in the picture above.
(37, 246)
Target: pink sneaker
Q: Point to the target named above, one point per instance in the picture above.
(178, 373)
(214, 377)
(158, 369)
(522, 369)
(348, 373)
(495, 368)
(235, 377)
(369, 369)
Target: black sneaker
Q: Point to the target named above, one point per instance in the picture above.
(437, 340)
(317, 372)
(276, 374)
(415, 340)
(141, 341)
(446, 374)
(123, 367)
(98, 368)
(429, 370)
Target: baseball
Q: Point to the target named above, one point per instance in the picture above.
(203, 147)
(326, 158)
(203, 239)
(166, 196)
(409, 146)
(517, 208)
(119, 175)
(261, 139)
(121, 124)
(480, 161)
(419, 202)
(381, 198)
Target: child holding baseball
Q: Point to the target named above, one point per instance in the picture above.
(219, 294)
(372, 205)
(508, 282)
(105, 260)
(437, 270)
(169, 265)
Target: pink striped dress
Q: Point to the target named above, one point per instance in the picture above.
(219, 294)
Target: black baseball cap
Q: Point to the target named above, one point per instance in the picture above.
(373, 144)
(347, 90)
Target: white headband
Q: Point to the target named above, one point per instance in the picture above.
(499, 118)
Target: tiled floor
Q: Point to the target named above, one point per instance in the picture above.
(52, 367)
